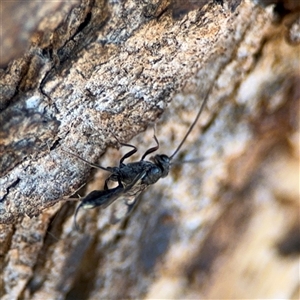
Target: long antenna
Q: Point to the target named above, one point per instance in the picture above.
(193, 125)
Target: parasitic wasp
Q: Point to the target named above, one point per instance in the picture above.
(132, 178)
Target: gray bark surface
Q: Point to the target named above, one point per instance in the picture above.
(82, 73)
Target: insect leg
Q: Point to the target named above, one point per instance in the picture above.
(129, 153)
(75, 216)
(151, 149)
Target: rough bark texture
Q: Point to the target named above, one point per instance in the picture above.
(82, 72)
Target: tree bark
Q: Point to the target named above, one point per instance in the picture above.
(84, 73)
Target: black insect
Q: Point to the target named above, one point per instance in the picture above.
(132, 178)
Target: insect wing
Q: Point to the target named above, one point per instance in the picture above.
(107, 197)
(120, 209)
(128, 199)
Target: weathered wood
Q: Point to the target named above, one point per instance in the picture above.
(95, 70)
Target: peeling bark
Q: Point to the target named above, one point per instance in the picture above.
(99, 69)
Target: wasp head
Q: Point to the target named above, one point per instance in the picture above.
(163, 162)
